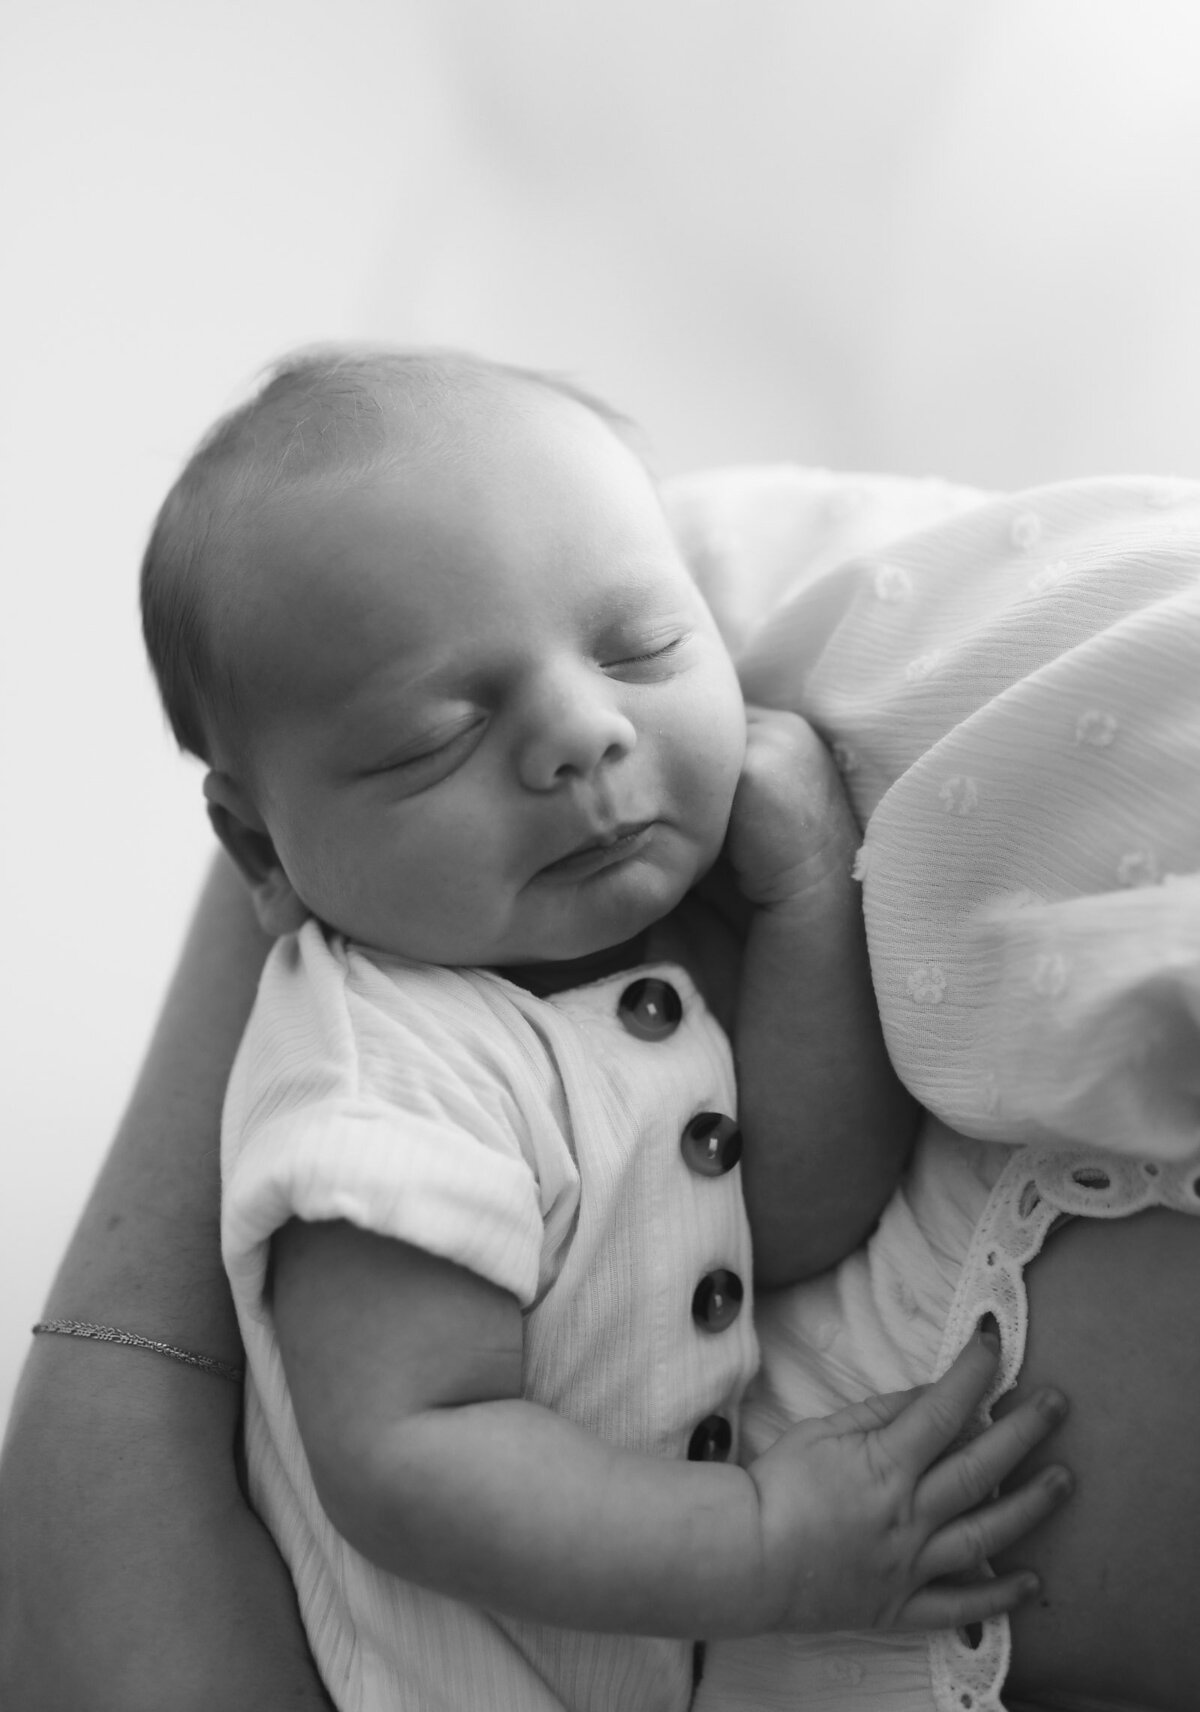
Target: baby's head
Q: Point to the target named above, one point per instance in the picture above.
(425, 621)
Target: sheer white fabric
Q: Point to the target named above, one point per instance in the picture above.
(1010, 690)
(1009, 687)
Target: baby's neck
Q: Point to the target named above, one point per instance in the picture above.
(542, 979)
(694, 935)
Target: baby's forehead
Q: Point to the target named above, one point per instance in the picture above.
(420, 490)
(379, 418)
(299, 465)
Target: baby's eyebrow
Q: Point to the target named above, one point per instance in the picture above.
(369, 712)
(634, 596)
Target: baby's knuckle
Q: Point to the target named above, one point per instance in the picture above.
(974, 1547)
(944, 1419)
(969, 1474)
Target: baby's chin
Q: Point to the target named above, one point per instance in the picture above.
(575, 942)
(515, 954)
(543, 936)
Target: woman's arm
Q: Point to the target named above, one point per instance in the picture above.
(132, 1572)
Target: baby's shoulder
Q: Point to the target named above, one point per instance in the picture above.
(341, 1022)
(348, 989)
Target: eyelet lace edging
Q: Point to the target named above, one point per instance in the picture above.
(1036, 1189)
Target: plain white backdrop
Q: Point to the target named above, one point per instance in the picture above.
(928, 237)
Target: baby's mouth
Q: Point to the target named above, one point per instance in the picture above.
(603, 851)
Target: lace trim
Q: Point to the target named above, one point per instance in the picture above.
(1036, 1189)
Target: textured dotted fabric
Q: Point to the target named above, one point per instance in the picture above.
(1008, 685)
(1011, 691)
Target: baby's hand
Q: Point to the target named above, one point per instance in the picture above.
(791, 823)
(866, 1514)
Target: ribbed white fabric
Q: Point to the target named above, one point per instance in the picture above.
(536, 1142)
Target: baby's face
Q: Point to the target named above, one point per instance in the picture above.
(490, 718)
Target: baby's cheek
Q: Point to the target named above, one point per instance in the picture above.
(721, 764)
(354, 882)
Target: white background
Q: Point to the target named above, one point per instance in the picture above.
(931, 237)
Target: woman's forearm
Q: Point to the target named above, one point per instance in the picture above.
(132, 1573)
(146, 1253)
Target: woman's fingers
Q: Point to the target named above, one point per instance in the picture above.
(972, 1473)
(964, 1544)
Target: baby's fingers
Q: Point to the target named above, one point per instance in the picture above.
(936, 1416)
(965, 1544)
(967, 1476)
(950, 1607)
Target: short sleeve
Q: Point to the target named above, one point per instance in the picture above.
(361, 1096)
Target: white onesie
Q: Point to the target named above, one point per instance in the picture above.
(568, 1149)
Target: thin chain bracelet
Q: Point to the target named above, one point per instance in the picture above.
(113, 1334)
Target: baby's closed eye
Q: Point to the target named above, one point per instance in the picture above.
(431, 755)
(635, 656)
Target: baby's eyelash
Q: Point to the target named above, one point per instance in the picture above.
(403, 763)
(415, 760)
(651, 654)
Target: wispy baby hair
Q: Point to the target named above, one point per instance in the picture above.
(322, 417)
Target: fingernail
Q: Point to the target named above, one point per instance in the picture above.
(990, 1338)
(1059, 1481)
(1053, 1404)
(1030, 1588)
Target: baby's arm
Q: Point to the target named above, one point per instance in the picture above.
(133, 1575)
(405, 1375)
(827, 1124)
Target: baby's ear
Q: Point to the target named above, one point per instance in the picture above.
(239, 826)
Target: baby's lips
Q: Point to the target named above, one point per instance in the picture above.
(601, 851)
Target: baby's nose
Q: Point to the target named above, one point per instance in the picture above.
(573, 727)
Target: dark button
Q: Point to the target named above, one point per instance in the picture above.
(650, 1009)
(712, 1440)
(711, 1144)
(717, 1300)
